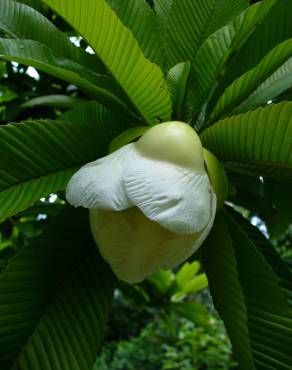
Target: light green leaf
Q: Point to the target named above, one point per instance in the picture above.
(249, 297)
(257, 143)
(162, 280)
(190, 22)
(39, 157)
(200, 282)
(20, 21)
(55, 297)
(58, 101)
(268, 79)
(187, 281)
(32, 53)
(177, 78)
(141, 80)
(127, 136)
(187, 272)
(141, 20)
(214, 54)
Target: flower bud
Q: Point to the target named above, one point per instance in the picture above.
(151, 202)
(173, 142)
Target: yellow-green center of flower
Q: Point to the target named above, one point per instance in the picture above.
(173, 142)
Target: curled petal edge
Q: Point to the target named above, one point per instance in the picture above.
(177, 198)
(99, 184)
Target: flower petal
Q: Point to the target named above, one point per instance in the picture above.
(185, 251)
(177, 198)
(99, 184)
(133, 245)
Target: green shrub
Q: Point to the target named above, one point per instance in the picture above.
(178, 344)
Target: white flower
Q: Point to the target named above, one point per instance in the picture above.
(151, 203)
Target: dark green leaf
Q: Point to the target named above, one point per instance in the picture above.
(20, 21)
(249, 297)
(276, 28)
(193, 312)
(258, 142)
(55, 297)
(162, 8)
(266, 249)
(271, 77)
(37, 55)
(278, 194)
(39, 157)
(36, 4)
(189, 23)
(212, 57)
(177, 78)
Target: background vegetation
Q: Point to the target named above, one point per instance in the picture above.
(169, 321)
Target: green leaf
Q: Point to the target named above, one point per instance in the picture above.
(7, 95)
(177, 78)
(162, 8)
(39, 157)
(280, 216)
(265, 37)
(141, 20)
(268, 79)
(213, 56)
(3, 69)
(190, 22)
(187, 281)
(248, 296)
(279, 267)
(187, 272)
(32, 53)
(197, 283)
(287, 95)
(162, 280)
(257, 143)
(36, 4)
(55, 298)
(58, 101)
(193, 312)
(141, 80)
(20, 21)
(127, 136)
(54, 101)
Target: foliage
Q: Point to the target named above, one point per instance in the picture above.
(165, 293)
(43, 272)
(74, 75)
(183, 347)
(171, 329)
(283, 246)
